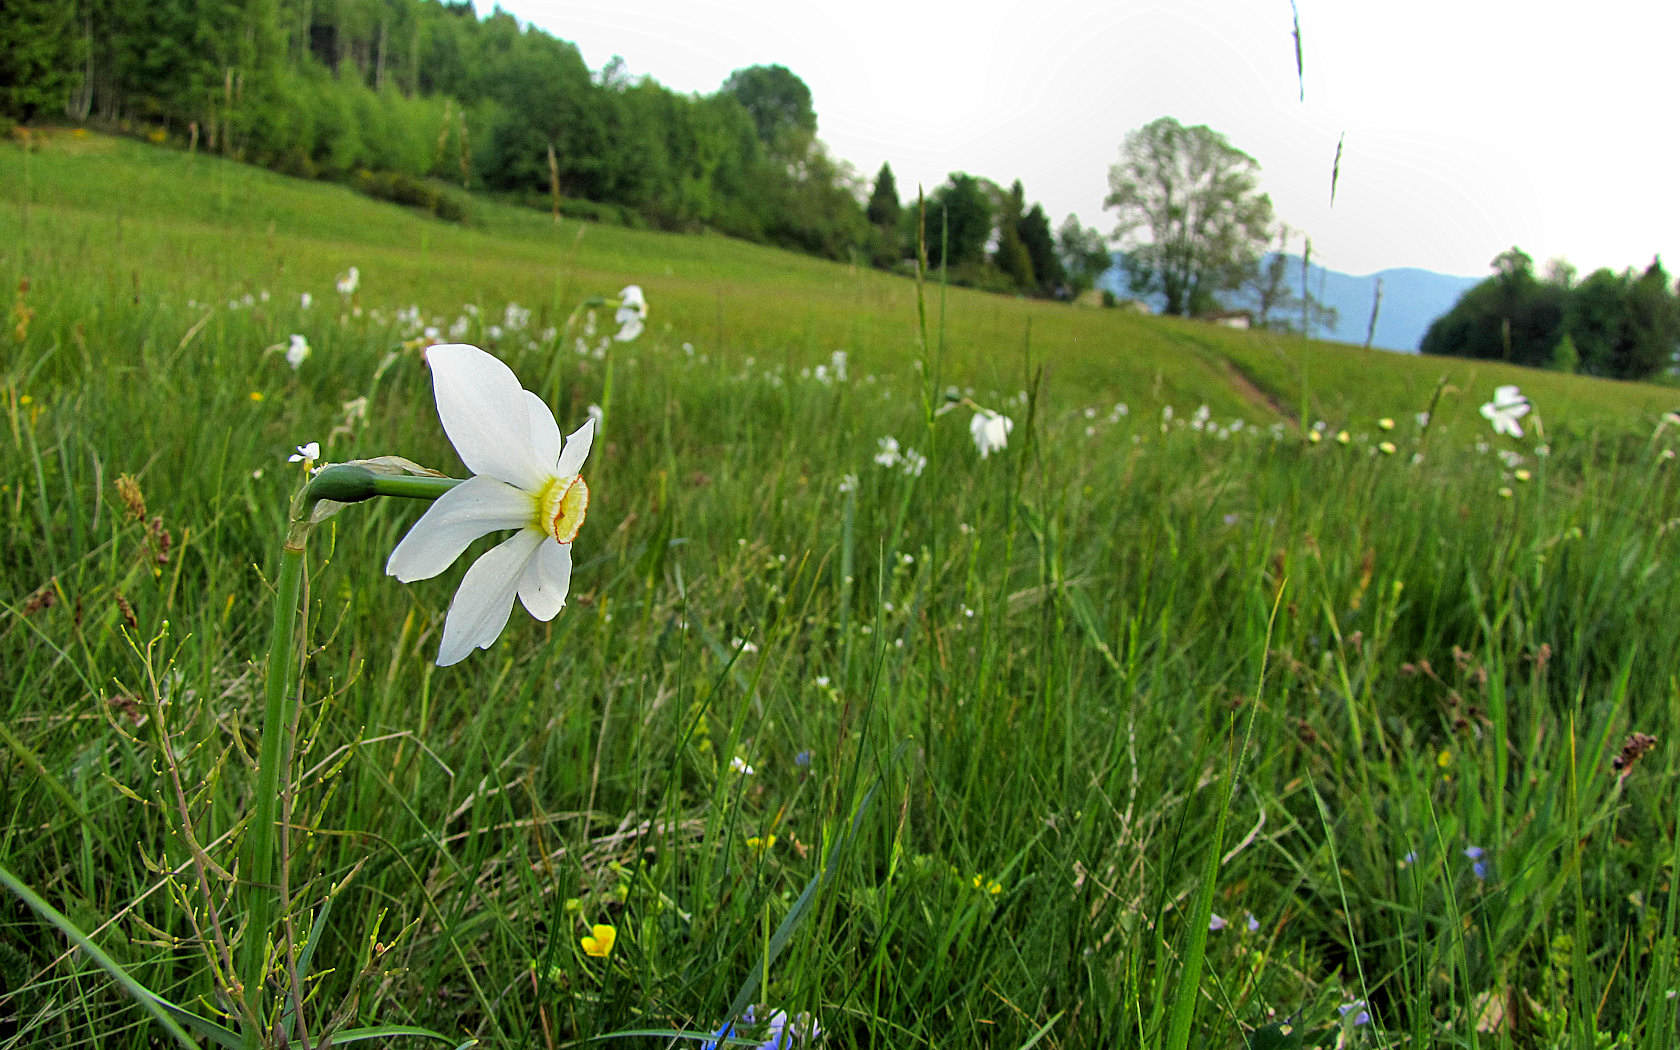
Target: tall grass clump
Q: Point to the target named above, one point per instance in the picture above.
(1298, 722)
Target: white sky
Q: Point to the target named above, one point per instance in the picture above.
(1471, 125)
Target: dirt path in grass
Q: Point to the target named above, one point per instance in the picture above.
(1253, 394)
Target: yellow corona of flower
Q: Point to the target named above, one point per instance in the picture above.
(599, 941)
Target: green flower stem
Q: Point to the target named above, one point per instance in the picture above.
(342, 483)
(260, 835)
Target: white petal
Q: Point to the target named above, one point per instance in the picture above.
(545, 432)
(474, 508)
(577, 450)
(547, 579)
(486, 414)
(482, 604)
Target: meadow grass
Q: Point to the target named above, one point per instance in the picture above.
(1030, 725)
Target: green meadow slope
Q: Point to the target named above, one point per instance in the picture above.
(89, 208)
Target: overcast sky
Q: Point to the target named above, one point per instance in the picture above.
(1471, 125)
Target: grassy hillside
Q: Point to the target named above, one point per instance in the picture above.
(111, 213)
(1141, 730)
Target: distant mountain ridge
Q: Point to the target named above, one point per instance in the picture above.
(1411, 300)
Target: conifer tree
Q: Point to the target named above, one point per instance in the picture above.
(1011, 256)
(884, 214)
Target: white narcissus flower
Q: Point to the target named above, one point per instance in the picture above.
(1508, 406)
(524, 479)
(307, 453)
(990, 431)
(632, 313)
(888, 454)
(298, 352)
(349, 281)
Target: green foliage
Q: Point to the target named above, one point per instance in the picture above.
(1195, 200)
(410, 191)
(40, 50)
(884, 208)
(960, 219)
(1043, 262)
(1011, 256)
(1620, 326)
(1565, 358)
(779, 104)
(815, 208)
(1083, 253)
(885, 215)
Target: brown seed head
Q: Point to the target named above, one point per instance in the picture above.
(133, 499)
(1633, 749)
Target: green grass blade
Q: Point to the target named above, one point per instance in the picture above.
(153, 1003)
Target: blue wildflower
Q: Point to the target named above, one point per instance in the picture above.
(1363, 1016)
(780, 1032)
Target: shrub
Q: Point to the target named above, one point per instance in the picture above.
(410, 191)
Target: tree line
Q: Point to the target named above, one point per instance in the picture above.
(399, 95)
(1614, 325)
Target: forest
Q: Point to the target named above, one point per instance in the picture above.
(1615, 326)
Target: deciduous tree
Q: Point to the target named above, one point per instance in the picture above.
(780, 106)
(1192, 217)
(1084, 254)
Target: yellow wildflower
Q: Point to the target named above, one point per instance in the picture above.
(599, 942)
